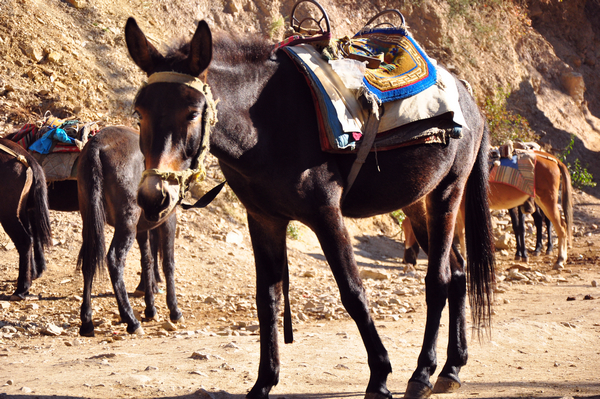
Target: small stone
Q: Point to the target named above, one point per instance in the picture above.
(76, 3)
(204, 394)
(234, 237)
(52, 330)
(151, 368)
(372, 274)
(26, 390)
(54, 57)
(594, 283)
(6, 305)
(200, 356)
(10, 382)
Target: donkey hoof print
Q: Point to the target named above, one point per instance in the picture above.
(446, 385)
(417, 390)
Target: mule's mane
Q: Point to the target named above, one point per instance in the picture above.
(229, 48)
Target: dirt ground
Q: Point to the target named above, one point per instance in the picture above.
(544, 344)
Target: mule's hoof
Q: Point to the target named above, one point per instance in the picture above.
(139, 331)
(558, 266)
(138, 294)
(417, 390)
(446, 385)
(87, 331)
(179, 320)
(17, 297)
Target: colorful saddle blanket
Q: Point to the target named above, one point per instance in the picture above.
(342, 116)
(517, 172)
(405, 69)
(56, 144)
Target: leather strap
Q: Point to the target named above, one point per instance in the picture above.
(370, 132)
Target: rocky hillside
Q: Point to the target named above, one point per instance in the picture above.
(69, 56)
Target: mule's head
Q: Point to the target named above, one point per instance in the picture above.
(175, 111)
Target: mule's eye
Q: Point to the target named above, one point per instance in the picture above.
(137, 116)
(193, 115)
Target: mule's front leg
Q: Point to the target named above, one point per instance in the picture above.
(147, 283)
(335, 241)
(117, 254)
(270, 256)
(166, 238)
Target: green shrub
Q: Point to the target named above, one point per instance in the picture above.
(505, 124)
(399, 216)
(293, 231)
(580, 177)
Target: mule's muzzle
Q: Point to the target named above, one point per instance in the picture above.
(157, 197)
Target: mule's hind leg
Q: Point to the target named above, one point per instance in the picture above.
(23, 242)
(448, 380)
(434, 230)
(335, 241)
(538, 220)
(518, 224)
(119, 248)
(553, 213)
(38, 265)
(270, 256)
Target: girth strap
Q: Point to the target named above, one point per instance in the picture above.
(365, 147)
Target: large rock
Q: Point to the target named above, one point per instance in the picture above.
(574, 84)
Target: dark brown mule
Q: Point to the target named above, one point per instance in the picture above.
(518, 222)
(266, 140)
(24, 212)
(110, 168)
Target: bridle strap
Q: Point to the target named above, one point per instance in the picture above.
(197, 172)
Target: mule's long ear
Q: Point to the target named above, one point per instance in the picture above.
(144, 54)
(200, 49)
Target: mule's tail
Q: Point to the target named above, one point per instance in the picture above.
(39, 203)
(91, 202)
(567, 200)
(479, 237)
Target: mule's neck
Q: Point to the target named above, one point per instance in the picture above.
(237, 77)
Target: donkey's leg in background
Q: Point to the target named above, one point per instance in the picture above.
(23, 243)
(166, 238)
(270, 256)
(517, 219)
(538, 220)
